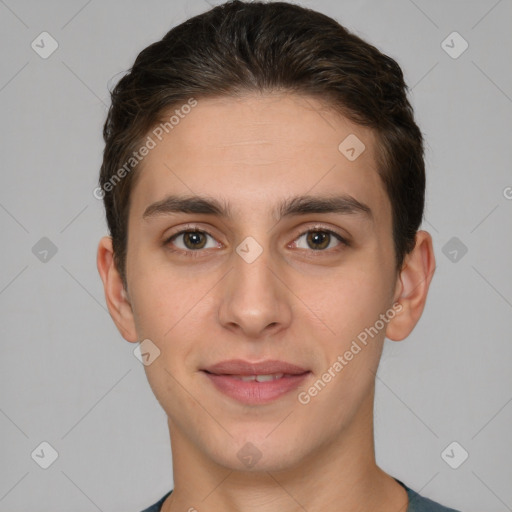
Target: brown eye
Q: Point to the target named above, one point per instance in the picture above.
(319, 240)
(191, 240)
(194, 240)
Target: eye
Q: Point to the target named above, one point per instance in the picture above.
(319, 240)
(191, 240)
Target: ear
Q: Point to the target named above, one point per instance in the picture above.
(117, 299)
(412, 287)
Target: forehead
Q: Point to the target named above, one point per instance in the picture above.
(257, 149)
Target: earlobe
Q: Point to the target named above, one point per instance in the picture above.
(117, 299)
(412, 287)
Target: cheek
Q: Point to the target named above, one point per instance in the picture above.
(152, 306)
(350, 300)
(170, 309)
(352, 309)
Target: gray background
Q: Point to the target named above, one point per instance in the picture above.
(68, 377)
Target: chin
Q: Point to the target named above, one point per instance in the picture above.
(256, 454)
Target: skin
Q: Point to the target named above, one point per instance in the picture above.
(295, 303)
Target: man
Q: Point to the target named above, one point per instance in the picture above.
(264, 182)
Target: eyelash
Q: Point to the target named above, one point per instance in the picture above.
(197, 253)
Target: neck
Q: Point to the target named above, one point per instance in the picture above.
(341, 475)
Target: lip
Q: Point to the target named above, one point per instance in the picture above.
(241, 367)
(224, 375)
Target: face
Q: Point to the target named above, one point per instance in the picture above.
(265, 268)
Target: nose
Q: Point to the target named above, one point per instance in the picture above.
(254, 302)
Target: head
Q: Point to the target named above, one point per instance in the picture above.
(256, 118)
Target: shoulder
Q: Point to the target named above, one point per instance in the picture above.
(419, 503)
(158, 505)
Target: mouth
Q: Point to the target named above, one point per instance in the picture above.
(259, 378)
(255, 383)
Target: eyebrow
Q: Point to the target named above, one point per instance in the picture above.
(300, 205)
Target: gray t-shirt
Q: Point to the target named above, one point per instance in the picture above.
(417, 503)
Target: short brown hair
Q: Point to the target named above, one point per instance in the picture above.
(240, 47)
